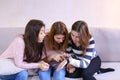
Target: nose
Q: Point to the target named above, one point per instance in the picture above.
(44, 34)
(75, 39)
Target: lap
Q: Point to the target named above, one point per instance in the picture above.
(92, 68)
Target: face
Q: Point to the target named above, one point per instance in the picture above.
(41, 34)
(59, 38)
(75, 36)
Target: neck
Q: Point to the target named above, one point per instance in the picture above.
(77, 44)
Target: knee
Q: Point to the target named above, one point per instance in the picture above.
(62, 72)
(59, 75)
(88, 75)
(23, 74)
(85, 74)
(44, 75)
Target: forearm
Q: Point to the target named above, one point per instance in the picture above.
(48, 58)
(26, 65)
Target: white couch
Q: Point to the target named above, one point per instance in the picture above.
(107, 45)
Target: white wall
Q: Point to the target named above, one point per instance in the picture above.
(97, 13)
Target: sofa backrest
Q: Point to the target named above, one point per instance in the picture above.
(107, 41)
(7, 35)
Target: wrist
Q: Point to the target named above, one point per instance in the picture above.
(67, 60)
(39, 65)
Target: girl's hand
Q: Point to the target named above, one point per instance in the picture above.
(66, 55)
(70, 68)
(43, 66)
(61, 65)
(58, 57)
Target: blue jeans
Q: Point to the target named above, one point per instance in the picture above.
(23, 75)
(52, 73)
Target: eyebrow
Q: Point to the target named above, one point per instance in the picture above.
(60, 37)
(74, 35)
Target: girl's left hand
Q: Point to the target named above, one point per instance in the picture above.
(43, 65)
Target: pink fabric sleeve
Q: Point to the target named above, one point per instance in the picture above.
(19, 54)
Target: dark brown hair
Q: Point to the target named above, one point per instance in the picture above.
(82, 28)
(33, 49)
(60, 29)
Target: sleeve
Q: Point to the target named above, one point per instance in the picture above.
(82, 61)
(19, 55)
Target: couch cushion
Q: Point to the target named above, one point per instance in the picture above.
(8, 67)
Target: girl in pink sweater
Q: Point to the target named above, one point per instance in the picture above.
(26, 50)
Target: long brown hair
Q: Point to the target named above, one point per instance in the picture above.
(60, 29)
(82, 28)
(33, 49)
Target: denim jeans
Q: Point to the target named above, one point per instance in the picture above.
(23, 75)
(52, 73)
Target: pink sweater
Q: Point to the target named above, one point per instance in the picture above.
(16, 51)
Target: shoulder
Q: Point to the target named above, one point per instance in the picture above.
(91, 39)
(19, 39)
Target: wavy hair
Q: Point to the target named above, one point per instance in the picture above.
(84, 35)
(33, 49)
(58, 28)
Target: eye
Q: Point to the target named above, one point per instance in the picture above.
(41, 33)
(72, 34)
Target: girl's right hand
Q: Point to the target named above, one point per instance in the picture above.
(70, 68)
(43, 66)
(66, 55)
(58, 57)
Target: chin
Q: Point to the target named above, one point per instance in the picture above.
(40, 41)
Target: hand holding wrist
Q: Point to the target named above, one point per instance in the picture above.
(43, 65)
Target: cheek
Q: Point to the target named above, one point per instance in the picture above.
(73, 38)
(39, 37)
(56, 40)
(77, 39)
